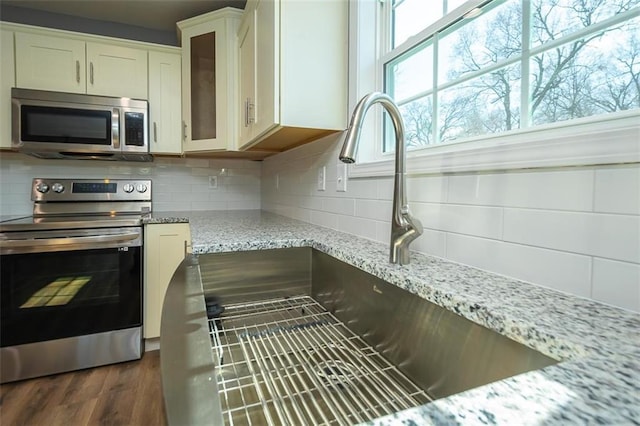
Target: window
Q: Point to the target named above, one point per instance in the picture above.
(474, 71)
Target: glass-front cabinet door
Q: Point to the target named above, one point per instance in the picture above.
(209, 83)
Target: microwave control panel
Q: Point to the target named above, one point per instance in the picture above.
(134, 128)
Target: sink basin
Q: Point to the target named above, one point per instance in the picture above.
(305, 338)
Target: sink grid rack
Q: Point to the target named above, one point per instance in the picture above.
(290, 362)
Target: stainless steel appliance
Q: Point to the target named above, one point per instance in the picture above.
(68, 125)
(71, 277)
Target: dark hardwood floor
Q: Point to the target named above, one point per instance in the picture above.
(128, 393)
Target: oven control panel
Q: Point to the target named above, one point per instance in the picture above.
(52, 190)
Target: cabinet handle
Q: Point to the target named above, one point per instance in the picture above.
(91, 72)
(77, 71)
(246, 113)
(248, 117)
(155, 132)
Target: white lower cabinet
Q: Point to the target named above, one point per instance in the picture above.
(165, 246)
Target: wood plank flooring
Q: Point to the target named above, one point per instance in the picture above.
(128, 393)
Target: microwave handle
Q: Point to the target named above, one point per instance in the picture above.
(115, 128)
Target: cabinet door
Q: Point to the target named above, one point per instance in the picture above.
(164, 103)
(165, 247)
(116, 71)
(205, 86)
(247, 67)
(267, 114)
(7, 81)
(50, 63)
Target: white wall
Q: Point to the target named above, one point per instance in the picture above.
(576, 230)
(178, 184)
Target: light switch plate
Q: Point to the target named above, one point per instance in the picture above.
(322, 178)
(341, 179)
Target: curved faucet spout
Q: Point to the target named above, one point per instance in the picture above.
(404, 227)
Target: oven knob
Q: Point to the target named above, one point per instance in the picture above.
(142, 187)
(42, 187)
(57, 187)
(128, 188)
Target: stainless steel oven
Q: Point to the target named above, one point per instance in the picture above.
(71, 278)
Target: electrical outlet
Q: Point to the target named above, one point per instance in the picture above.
(322, 178)
(341, 179)
(213, 182)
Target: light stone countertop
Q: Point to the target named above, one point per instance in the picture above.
(598, 380)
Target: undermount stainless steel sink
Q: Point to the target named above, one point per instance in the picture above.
(307, 339)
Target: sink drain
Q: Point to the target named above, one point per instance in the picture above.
(337, 373)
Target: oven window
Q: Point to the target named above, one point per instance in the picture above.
(54, 295)
(66, 125)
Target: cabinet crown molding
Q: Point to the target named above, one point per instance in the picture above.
(225, 12)
(93, 38)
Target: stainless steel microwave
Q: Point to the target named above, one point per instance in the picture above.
(68, 125)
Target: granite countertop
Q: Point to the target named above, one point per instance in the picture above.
(597, 380)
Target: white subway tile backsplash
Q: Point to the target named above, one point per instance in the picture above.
(473, 220)
(616, 283)
(374, 209)
(196, 162)
(431, 242)
(385, 188)
(383, 231)
(300, 214)
(559, 190)
(178, 183)
(342, 206)
(359, 188)
(365, 228)
(209, 205)
(558, 270)
(246, 204)
(602, 235)
(534, 225)
(617, 190)
(429, 189)
(328, 220)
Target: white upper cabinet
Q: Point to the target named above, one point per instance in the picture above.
(165, 108)
(7, 81)
(293, 72)
(48, 62)
(116, 71)
(246, 66)
(209, 80)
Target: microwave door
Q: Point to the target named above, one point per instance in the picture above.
(68, 129)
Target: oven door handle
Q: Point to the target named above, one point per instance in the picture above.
(44, 243)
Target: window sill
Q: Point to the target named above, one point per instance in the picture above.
(584, 142)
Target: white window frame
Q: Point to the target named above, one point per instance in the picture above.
(604, 139)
